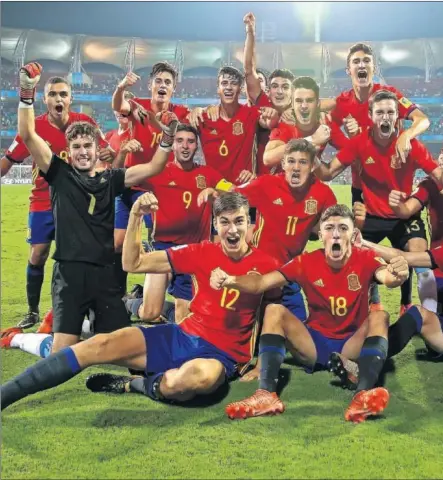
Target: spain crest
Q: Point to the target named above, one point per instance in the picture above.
(395, 162)
(201, 181)
(353, 282)
(237, 128)
(311, 207)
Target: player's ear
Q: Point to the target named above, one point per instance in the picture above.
(348, 72)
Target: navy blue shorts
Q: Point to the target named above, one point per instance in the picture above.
(41, 228)
(324, 346)
(123, 205)
(168, 346)
(181, 284)
(292, 299)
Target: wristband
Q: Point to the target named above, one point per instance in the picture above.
(309, 139)
(25, 105)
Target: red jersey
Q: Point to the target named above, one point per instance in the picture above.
(285, 133)
(382, 171)
(179, 220)
(148, 135)
(40, 199)
(226, 317)
(116, 139)
(348, 104)
(285, 219)
(337, 299)
(228, 146)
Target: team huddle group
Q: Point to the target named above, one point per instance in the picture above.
(227, 238)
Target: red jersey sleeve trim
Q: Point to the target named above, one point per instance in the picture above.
(13, 160)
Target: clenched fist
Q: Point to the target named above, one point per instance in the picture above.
(351, 126)
(396, 198)
(249, 21)
(219, 279)
(145, 204)
(130, 79)
(29, 76)
(399, 267)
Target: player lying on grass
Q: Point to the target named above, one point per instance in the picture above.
(416, 321)
(180, 361)
(336, 283)
(83, 208)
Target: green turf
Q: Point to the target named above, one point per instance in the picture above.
(69, 433)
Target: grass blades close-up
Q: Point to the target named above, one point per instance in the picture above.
(68, 432)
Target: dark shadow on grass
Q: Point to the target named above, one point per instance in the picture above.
(203, 401)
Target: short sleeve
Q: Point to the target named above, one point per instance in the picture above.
(17, 151)
(422, 192)
(422, 157)
(350, 153)
(263, 101)
(405, 106)
(253, 190)
(293, 271)
(185, 258)
(57, 170)
(281, 133)
(436, 255)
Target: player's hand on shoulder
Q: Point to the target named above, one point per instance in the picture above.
(399, 267)
(195, 116)
(145, 204)
(249, 21)
(130, 79)
(213, 112)
(403, 146)
(245, 176)
(288, 117)
(205, 195)
(351, 126)
(219, 279)
(396, 198)
(132, 146)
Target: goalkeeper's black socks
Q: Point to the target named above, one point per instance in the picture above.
(271, 354)
(47, 373)
(406, 290)
(370, 362)
(399, 334)
(34, 282)
(120, 275)
(149, 386)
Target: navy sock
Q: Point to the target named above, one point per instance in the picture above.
(120, 275)
(406, 290)
(271, 354)
(374, 295)
(149, 386)
(399, 334)
(168, 312)
(34, 282)
(370, 362)
(47, 373)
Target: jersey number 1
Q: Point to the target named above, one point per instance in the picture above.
(92, 203)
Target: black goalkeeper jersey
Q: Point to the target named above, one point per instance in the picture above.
(83, 209)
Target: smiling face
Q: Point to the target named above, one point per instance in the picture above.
(336, 234)
(184, 146)
(361, 69)
(297, 167)
(384, 117)
(232, 227)
(58, 98)
(83, 151)
(306, 107)
(228, 89)
(162, 87)
(280, 92)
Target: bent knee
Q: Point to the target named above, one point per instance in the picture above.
(379, 318)
(148, 313)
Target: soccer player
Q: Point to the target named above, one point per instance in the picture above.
(83, 208)
(306, 107)
(180, 361)
(51, 126)
(336, 282)
(228, 143)
(162, 83)
(381, 171)
(179, 220)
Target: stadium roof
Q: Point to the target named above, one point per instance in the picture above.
(302, 58)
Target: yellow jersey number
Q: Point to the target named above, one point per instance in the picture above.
(223, 150)
(339, 306)
(229, 297)
(187, 199)
(290, 225)
(156, 137)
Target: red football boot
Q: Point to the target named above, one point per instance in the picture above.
(7, 335)
(47, 323)
(366, 403)
(261, 403)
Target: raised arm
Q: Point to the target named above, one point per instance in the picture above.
(274, 152)
(253, 87)
(37, 147)
(119, 104)
(134, 259)
(420, 123)
(254, 284)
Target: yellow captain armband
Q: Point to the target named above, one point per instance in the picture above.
(224, 185)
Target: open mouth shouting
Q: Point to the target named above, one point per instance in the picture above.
(59, 109)
(162, 93)
(295, 178)
(233, 241)
(385, 128)
(336, 250)
(228, 94)
(305, 116)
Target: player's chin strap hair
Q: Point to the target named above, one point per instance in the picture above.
(29, 77)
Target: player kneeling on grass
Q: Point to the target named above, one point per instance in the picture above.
(416, 320)
(180, 361)
(336, 283)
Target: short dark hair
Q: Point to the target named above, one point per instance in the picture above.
(283, 73)
(338, 210)
(231, 71)
(381, 95)
(81, 129)
(264, 73)
(56, 80)
(357, 47)
(161, 67)
(307, 82)
(184, 127)
(301, 145)
(230, 202)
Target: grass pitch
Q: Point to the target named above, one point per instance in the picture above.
(68, 432)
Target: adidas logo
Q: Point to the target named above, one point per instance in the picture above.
(278, 201)
(214, 132)
(319, 283)
(102, 180)
(369, 161)
(172, 183)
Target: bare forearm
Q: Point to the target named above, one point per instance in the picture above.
(132, 245)
(137, 174)
(387, 253)
(26, 123)
(5, 166)
(275, 156)
(119, 160)
(248, 283)
(419, 125)
(391, 281)
(119, 104)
